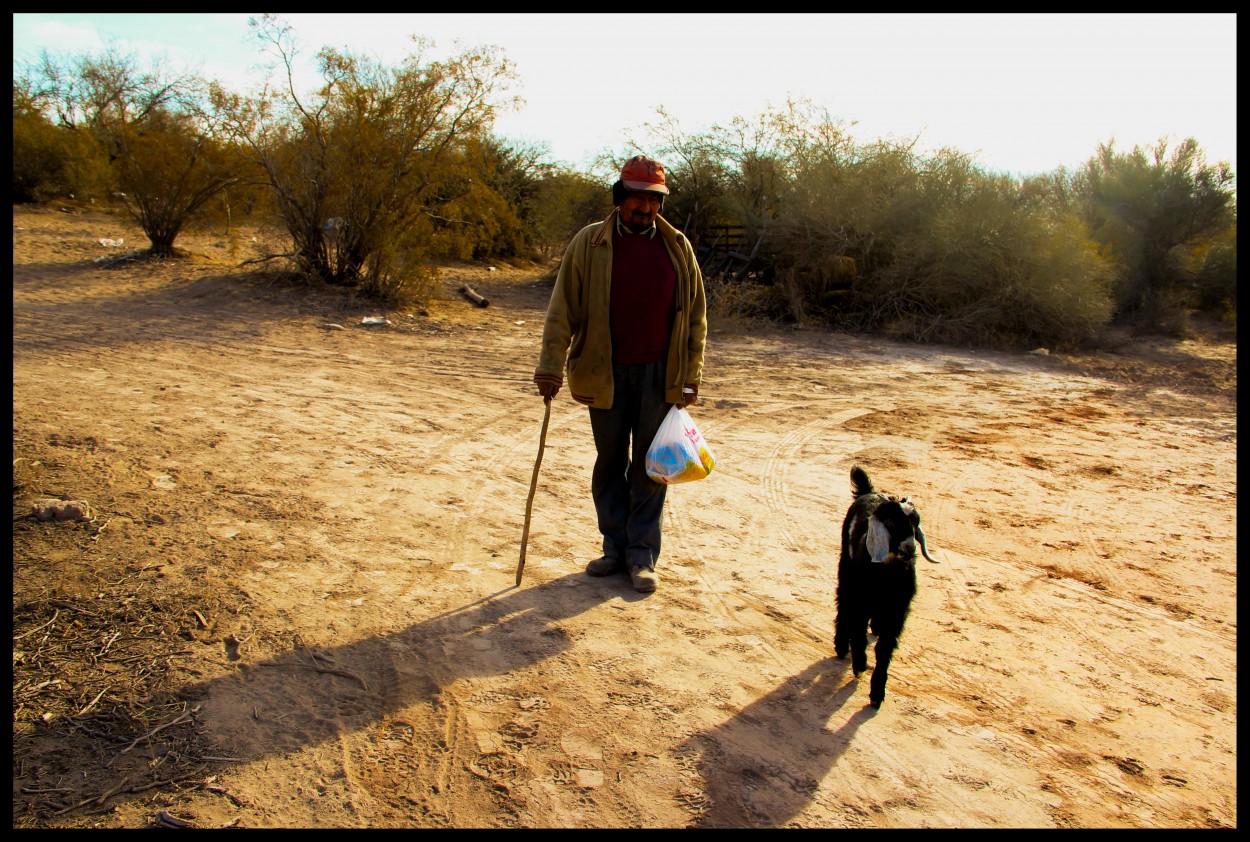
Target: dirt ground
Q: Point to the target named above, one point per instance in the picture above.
(293, 604)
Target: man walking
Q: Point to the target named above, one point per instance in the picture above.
(628, 316)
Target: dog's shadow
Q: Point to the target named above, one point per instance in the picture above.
(762, 767)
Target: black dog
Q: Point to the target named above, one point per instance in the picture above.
(876, 577)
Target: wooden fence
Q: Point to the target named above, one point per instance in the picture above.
(723, 251)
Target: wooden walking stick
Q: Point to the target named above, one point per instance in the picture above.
(529, 504)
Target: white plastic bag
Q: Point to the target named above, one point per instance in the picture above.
(678, 453)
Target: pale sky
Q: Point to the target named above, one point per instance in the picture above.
(1023, 93)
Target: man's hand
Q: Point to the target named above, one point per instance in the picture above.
(691, 394)
(547, 385)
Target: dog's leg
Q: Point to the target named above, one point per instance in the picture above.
(842, 625)
(859, 647)
(888, 627)
(851, 621)
(884, 652)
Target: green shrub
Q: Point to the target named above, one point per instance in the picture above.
(1155, 207)
(1215, 281)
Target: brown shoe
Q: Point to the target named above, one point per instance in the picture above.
(644, 579)
(605, 566)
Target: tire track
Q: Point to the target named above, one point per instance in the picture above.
(962, 554)
(775, 483)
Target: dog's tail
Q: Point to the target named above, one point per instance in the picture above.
(860, 483)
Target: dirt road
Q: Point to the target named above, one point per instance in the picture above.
(295, 607)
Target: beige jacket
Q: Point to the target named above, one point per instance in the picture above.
(578, 330)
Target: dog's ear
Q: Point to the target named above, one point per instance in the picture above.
(878, 539)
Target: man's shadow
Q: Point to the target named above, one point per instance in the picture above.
(762, 767)
(310, 695)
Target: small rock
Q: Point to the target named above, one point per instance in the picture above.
(47, 509)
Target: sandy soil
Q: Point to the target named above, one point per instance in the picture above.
(294, 606)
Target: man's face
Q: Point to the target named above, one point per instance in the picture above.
(639, 209)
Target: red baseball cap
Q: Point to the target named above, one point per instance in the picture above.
(643, 173)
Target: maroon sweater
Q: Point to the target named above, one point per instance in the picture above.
(644, 287)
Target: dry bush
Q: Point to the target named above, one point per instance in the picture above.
(407, 289)
(730, 299)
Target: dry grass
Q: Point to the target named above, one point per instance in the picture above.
(95, 664)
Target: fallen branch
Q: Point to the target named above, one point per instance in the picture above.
(221, 790)
(266, 259)
(165, 819)
(313, 656)
(344, 674)
(55, 614)
(169, 782)
(470, 294)
(303, 647)
(184, 716)
(98, 799)
(100, 529)
(92, 703)
(105, 650)
(327, 670)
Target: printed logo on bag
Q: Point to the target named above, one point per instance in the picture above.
(678, 453)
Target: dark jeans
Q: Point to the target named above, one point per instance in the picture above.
(629, 503)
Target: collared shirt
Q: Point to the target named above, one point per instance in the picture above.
(623, 230)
